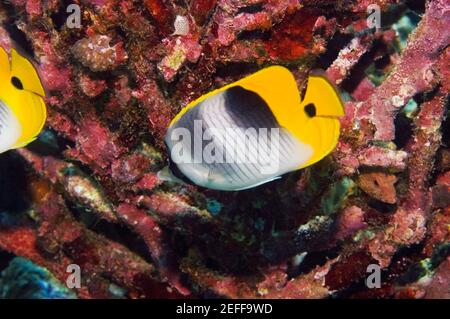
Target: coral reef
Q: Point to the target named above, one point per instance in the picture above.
(87, 192)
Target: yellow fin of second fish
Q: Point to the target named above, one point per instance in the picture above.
(26, 73)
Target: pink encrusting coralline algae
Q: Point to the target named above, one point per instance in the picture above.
(113, 85)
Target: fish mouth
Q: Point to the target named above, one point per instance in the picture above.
(10, 128)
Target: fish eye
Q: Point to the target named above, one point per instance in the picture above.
(17, 83)
(310, 110)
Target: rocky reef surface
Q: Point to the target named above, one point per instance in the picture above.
(87, 191)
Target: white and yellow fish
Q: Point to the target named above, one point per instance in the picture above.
(22, 108)
(307, 130)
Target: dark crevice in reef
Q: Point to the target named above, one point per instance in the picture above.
(358, 72)
(380, 206)
(14, 191)
(445, 128)
(412, 253)
(403, 129)
(417, 6)
(235, 69)
(21, 41)
(5, 259)
(253, 8)
(334, 46)
(423, 97)
(253, 35)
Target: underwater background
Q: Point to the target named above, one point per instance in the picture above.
(116, 72)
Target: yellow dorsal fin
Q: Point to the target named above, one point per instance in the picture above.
(26, 73)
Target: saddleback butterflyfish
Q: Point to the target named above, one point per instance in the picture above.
(22, 108)
(254, 130)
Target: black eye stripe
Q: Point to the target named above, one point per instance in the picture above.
(310, 110)
(17, 83)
